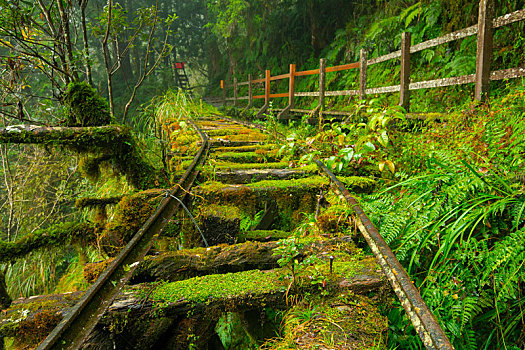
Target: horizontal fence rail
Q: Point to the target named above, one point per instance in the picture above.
(482, 78)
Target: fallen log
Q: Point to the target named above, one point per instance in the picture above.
(188, 263)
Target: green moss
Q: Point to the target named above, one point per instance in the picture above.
(248, 157)
(54, 236)
(130, 214)
(346, 321)
(227, 131)
(227, 212)
(207, 288)
(236, 166)
(263, 235)
(85, 107)
(244, 148)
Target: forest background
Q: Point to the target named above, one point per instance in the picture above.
(126, 50)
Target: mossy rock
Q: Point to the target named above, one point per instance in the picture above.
(85, 107)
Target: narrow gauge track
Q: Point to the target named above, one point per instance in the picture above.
(240, 158)
(76, 326)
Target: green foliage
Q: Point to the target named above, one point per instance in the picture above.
(457, 225)
(85, 107)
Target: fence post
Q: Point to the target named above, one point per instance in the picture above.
(267, 88)
(484, 52)
(322, 83)
(223, 88)
(363, 67)
(250, 92)
(235, 92)
(404, 96)
(291, 87)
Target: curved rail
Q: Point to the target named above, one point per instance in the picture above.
(76, 326)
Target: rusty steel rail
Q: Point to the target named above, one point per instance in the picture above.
(425, 323)
(76, 326)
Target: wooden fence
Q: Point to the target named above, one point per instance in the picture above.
(484, 30)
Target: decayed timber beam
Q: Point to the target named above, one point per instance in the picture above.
(155, 304)
(184, 264)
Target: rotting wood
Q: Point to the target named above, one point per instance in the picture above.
(138, 304)
(184, 264)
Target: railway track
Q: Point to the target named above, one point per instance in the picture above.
(246, 193)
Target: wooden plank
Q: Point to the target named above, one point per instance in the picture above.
(307, 72)
(284, 94)
(509, 18)
(302, 110)
(383, 90)
(363, 69)
(404, 97)
(258, 97)
(256, 81)
(484, 51)
(338, 113)
(342, 67)
(395, 54)
(464, 79)
(342, 93)
(243, 98)
(243, 83)
(508, 73)
(280, 77)
(305, 94)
